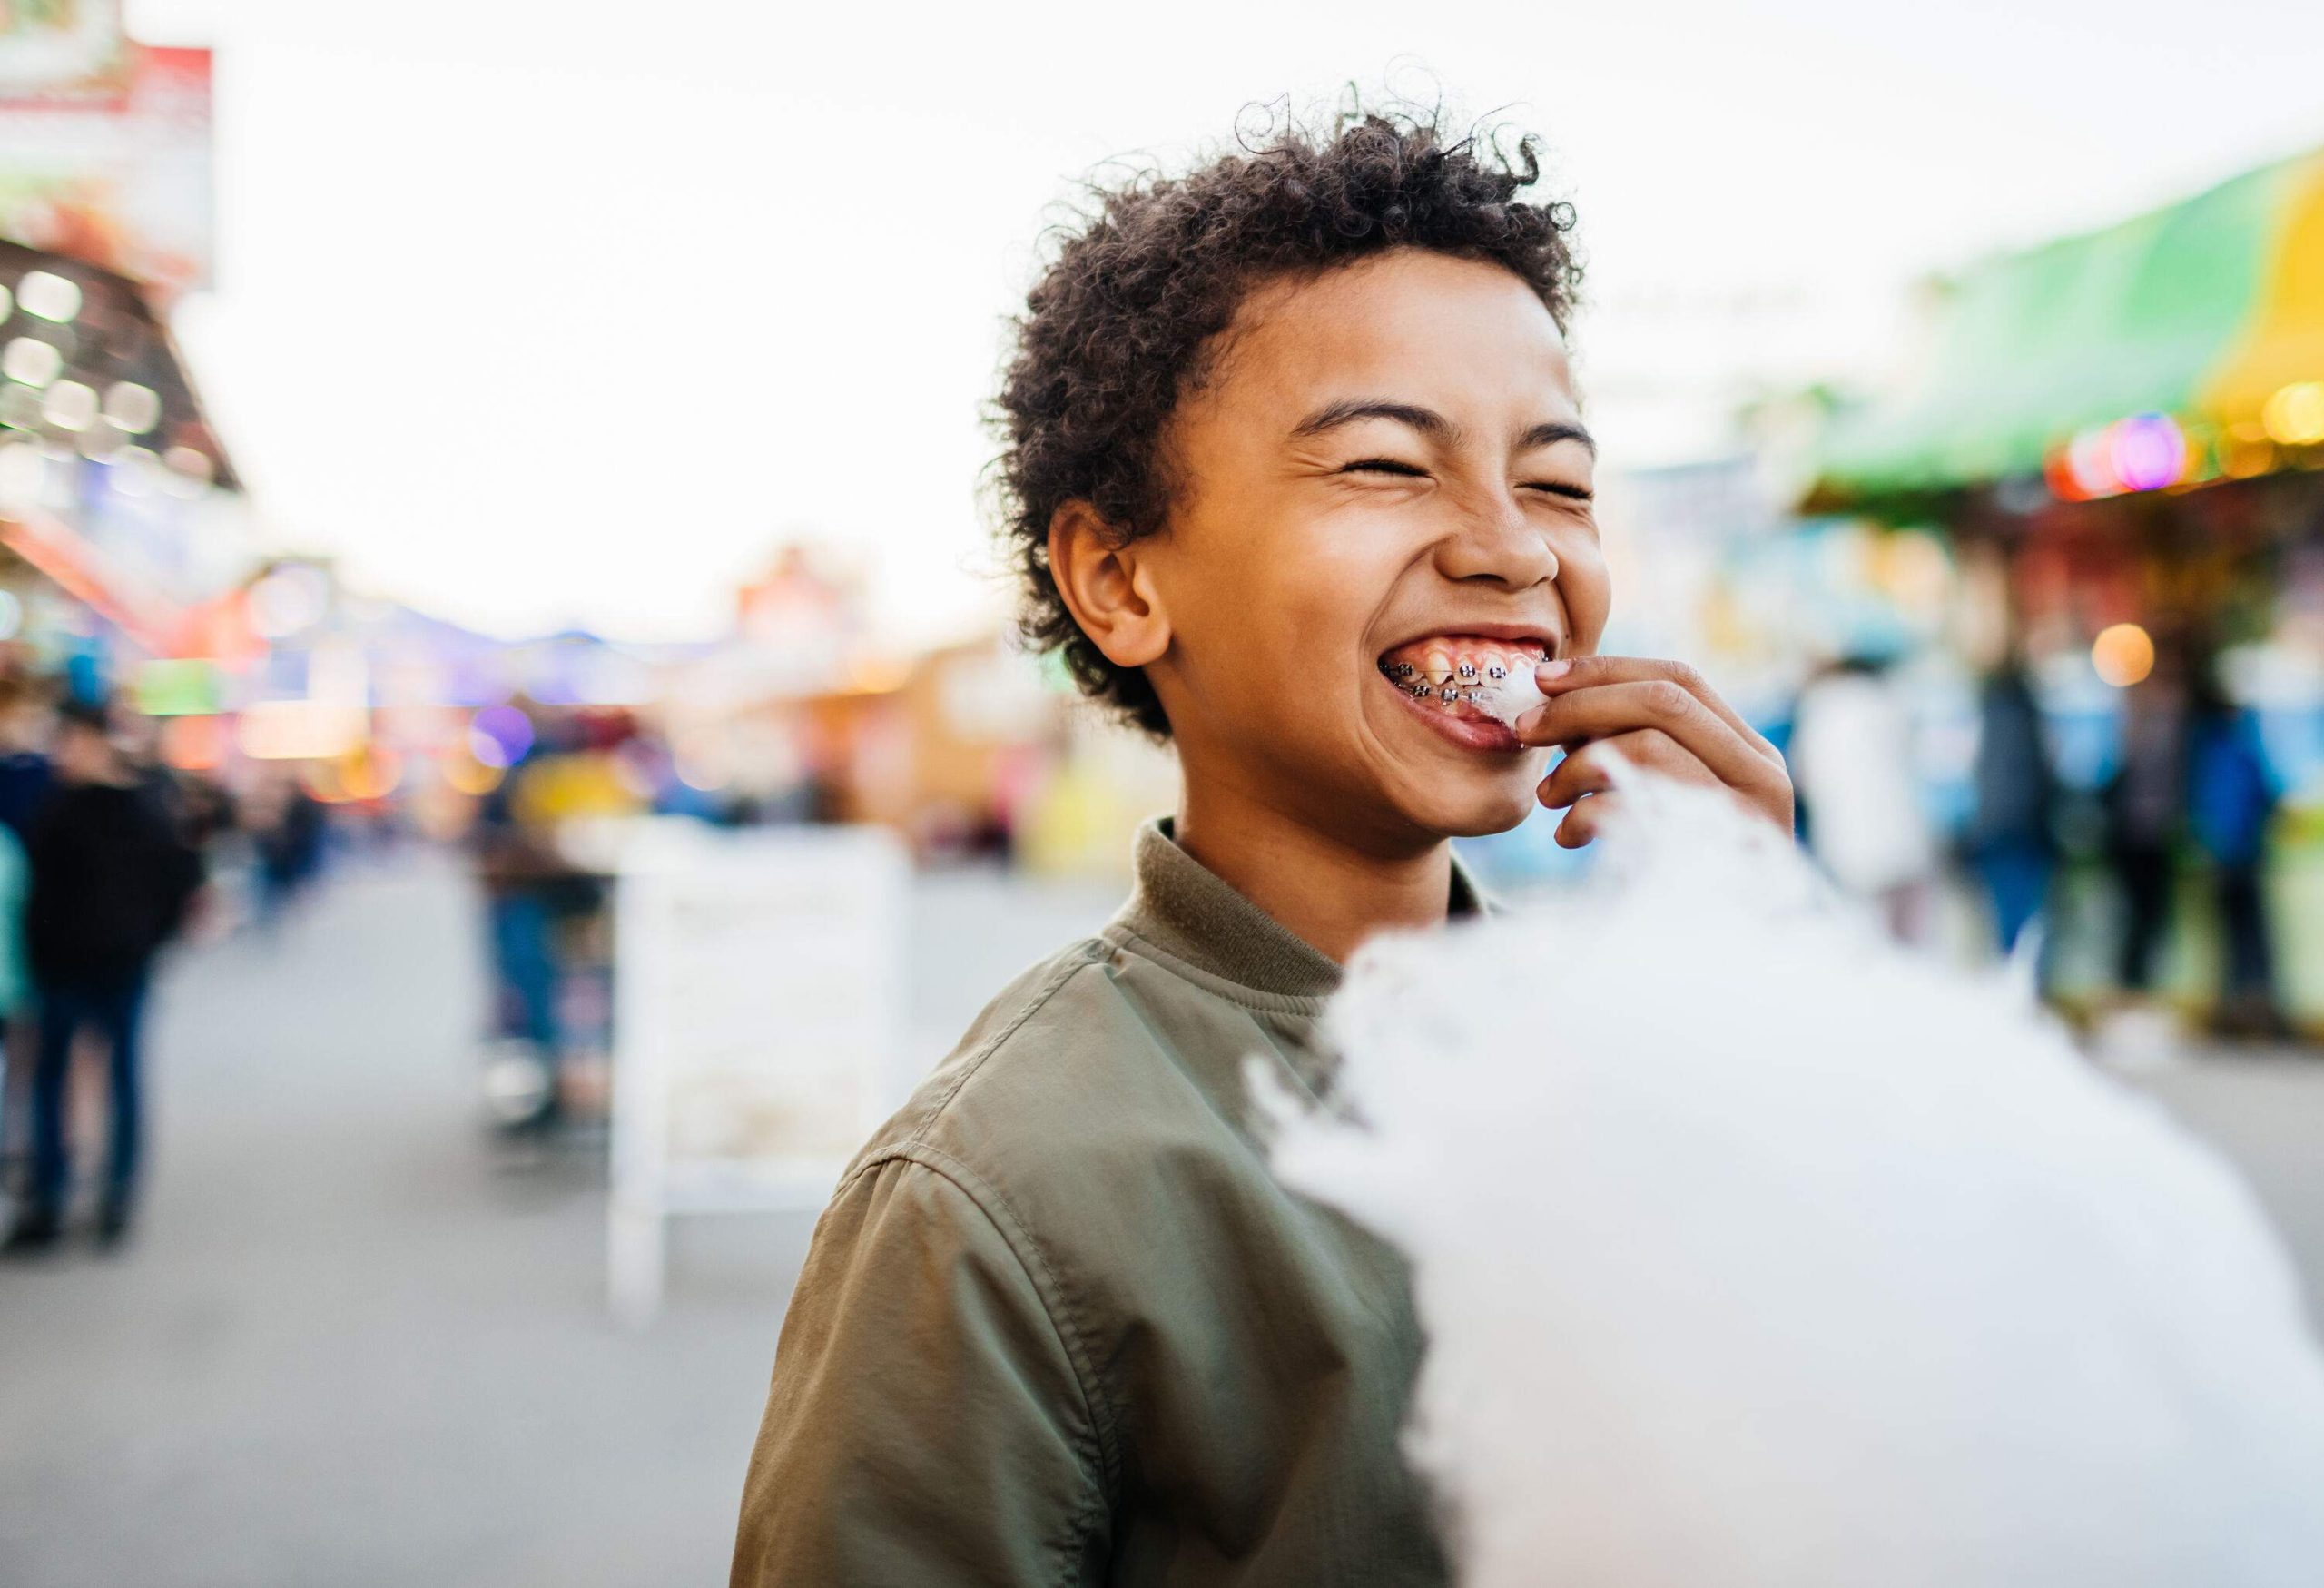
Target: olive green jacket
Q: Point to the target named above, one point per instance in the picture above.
(1060, 1325)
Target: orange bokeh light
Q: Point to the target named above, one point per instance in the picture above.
(2123, 655)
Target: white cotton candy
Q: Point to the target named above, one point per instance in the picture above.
(1753, 1253)
(1512, 698)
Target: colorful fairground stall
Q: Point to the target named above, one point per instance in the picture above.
(121, 516)
(123, 537)
(2119, 437)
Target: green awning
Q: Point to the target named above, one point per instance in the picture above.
(2163, 314)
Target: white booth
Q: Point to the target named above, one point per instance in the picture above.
(758, 1018)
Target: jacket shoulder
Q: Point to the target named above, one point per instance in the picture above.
(1062, 1013)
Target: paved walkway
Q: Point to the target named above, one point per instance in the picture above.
(345, 1350)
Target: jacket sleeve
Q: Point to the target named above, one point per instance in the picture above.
(927, 1423)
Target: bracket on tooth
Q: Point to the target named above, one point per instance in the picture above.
(1506, 691)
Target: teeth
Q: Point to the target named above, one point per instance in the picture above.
(1496, 681)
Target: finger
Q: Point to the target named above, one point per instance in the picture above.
(1571, 673)
(1578, 774)
(1591, 769)
(1609, 710)
(1583, 823)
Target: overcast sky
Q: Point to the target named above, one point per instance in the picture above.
(548, 313)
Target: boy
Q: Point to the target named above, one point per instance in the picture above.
(1290, 453)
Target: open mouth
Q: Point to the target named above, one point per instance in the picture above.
(1470, 688)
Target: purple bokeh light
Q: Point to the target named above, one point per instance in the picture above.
(2149, 452)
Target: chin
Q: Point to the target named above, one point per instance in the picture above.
(1474, 813)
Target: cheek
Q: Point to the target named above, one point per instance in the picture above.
(1294, 590)
(1587, 589)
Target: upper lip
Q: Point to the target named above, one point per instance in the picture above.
(1509, 633)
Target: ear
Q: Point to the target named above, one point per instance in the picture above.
(1107, 587)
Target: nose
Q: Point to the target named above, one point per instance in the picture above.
(1493, 542)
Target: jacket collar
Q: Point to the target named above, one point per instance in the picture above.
(1182, 907)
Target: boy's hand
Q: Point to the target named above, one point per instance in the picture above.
(1656, 715)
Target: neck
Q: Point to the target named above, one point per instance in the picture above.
(1332, 893)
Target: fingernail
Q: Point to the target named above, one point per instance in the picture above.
(1556, 670)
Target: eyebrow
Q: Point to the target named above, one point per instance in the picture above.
(1554, 431)
(1429, 423)
(1353, 411)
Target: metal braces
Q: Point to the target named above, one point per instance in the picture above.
(1409, 678)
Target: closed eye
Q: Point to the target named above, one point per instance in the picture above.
(1555, 488)
(1385, 465)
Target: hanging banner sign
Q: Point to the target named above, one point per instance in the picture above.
(120, 181)
(62, 52)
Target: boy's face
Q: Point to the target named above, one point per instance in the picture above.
(1386, 466)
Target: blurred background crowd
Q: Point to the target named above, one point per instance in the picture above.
(2022, 566)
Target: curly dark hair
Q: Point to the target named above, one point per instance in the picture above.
(1120, 325)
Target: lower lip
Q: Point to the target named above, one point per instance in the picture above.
(1485, 733)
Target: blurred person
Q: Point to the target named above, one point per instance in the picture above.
(536, 896)
(2011, 843)
(2146, 812)
(1059, 1323)
(17, 1029)
(1851, 755)
(286, 832)
(211, 814)
(517, 864)
(25, 725)
(111, 881)
(2231, 798)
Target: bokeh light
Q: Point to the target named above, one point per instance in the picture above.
(2123, 655)
(187, 471)
(296, 730)
(465, 773)
(2295, 415)
(2147, 451)
(23, 475)
(19, 407)
(2090, 463)
(31, 361)
(69, 405)
(369, 772)
(292, 599)
(136, 408)
(46, 295)
(195, 744)
(499, 735)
